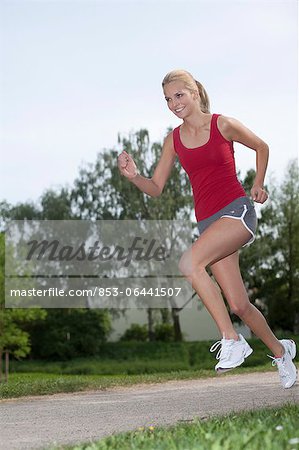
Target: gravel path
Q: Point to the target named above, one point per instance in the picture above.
(38, 422)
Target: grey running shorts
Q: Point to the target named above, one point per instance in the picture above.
(241, 209)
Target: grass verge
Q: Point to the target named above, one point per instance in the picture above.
(123, 364)
(267, 429)
(31, 384)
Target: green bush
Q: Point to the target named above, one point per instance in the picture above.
(164, 332)
(136, 332)
(128, 350)
(69, 333)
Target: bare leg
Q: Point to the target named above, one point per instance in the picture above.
(222, 239)
(213, 301)
(228, 276)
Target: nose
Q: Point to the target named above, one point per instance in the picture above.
(176, 103)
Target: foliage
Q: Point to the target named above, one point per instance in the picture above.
(270, 266)
(100, 192)
(123, 363)
(164, 332)
(136, 332)
(56, 205)
(14, 340)
(69, 333)
(52, 333)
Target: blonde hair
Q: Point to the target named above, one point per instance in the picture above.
(191, 84)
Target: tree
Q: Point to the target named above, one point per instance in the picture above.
(283, 305)
(70, 332)
(56, 332)
(100, 192)
(21, 211)
(13, 339)
(56, 205)
(270, 267)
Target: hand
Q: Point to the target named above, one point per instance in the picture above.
(127, 165)
(258, 194)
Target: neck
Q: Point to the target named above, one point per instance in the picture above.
(196, 121)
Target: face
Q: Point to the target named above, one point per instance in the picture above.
(179, 100)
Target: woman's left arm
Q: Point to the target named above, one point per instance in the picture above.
(233, 130)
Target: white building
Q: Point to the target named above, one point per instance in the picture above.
(196, 323)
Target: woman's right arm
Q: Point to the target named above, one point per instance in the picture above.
(155, 185)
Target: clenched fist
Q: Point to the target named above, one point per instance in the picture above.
(127, 165)
(258, 194)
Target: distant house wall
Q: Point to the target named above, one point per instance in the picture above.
(196, 323)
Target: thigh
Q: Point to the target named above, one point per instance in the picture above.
(227, 274)
(222, 238)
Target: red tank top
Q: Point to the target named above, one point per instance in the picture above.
(212, 171)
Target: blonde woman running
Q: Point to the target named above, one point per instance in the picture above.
(225, 216)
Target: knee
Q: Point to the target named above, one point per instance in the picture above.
(240, 310)
(188, 267)
(185, 265)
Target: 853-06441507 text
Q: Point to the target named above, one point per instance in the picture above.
(155, 292)
(98, 291)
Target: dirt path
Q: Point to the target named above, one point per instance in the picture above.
(38, 422)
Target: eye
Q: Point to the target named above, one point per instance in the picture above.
(167, 99)
(179, 95)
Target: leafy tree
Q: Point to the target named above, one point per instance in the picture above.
(284, 303)
(21, 211)
(56, 332)
(270, 267)
(69, 333)
(56, 205)
(14, 340)
(100, 192)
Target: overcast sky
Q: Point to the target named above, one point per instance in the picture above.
(75, 73)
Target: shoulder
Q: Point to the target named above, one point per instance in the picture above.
(168, 144)
(233, 130)
(228, 126)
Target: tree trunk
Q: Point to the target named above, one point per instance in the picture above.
(6, 366)
(150, 321)
(164, 315)
(176, 324)
(1, 368)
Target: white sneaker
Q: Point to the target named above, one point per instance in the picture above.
(286, 368)
(231, 353)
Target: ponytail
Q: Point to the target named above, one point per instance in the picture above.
(204, 98)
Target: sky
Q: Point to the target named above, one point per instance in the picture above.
(76, 73)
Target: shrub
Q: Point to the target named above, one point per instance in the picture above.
(136, 332)
(164, 332)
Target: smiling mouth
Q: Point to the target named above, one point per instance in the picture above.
(178, 110)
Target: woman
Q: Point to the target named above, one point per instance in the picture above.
(225, 215)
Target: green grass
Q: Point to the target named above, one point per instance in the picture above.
(132, 358)
(26, 384)
(267, 429)
(122, 364)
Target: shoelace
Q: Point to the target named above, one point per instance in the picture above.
(225, 348)
(280, 363)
